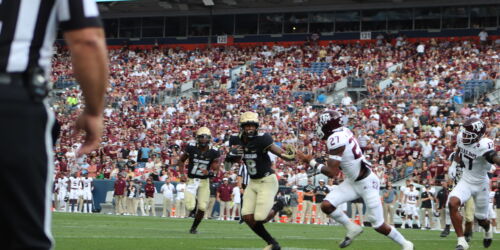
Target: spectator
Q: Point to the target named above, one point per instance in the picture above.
(180, 204)
(389, 200)
(320, 193)
(224, 198)
(294, 203)
(119, 195)
(167, 190)
(426, 198)
(308, 192)
(236, 198)
(357, 209)
(150, 191)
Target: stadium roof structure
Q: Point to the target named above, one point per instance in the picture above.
(138, 8)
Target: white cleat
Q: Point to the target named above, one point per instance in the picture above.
(462, 244)
(353, 231)
(408, 245)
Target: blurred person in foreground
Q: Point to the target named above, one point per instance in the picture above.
(28, 33)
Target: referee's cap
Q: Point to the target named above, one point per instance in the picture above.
(322, 180)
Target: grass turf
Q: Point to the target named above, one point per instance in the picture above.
(96, 231)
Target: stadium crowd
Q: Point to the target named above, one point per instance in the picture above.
(405, 129)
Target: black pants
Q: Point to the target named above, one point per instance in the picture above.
(26, 170)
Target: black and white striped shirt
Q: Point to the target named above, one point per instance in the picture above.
(243, 172)
(28, 29)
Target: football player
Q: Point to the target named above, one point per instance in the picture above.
(411, 208)
(88, 186)
(455, 173)
(203, 162)
(252, 148)
(75, 187)
(476, 153)
(344, 154)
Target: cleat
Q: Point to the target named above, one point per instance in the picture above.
(274, 246)
(408, 245)
(193, 231)
(445, 232)
(352, 233)
(462, 245)
(278, 206)
(488, 237)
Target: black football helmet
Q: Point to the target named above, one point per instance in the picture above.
(472, 130)
(329, 120)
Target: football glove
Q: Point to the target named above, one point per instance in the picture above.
(290, 153)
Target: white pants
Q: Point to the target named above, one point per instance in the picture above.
(74, 194)
(492, 214)
(411, 210)
(368, 189)
(87, 195)
(464, 190)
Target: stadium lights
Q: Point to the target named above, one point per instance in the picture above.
(208, 2)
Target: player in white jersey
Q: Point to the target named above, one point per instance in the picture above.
(88, 186)
(492, 215)
(62, 195)
(411, 196)
(75, 187)
(344, 154)
(476, 153)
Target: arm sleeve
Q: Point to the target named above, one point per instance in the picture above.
(77, 14)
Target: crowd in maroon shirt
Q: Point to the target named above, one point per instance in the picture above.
(392, 124)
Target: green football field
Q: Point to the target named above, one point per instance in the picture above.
(96, 231)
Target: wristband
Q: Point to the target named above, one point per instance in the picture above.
(313, 163)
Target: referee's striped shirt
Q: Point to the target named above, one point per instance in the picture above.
(28, 29)
(243, 172)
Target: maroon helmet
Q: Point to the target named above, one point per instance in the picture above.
(329, 120)
(472, 130)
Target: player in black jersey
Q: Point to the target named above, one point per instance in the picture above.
(203, 162)
(252, 148)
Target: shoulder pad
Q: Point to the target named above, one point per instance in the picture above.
(337, 140)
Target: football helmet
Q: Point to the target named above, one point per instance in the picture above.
(203, 136)
(472, 130)
(328, 121)
(249, 118)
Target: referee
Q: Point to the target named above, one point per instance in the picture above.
(27, 32)
(242, 181)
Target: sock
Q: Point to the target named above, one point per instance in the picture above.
(261, 231)
(341, 217)
(418, 223)
(197, 219)
(409, 223)
(396, 236)
(426, 222)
